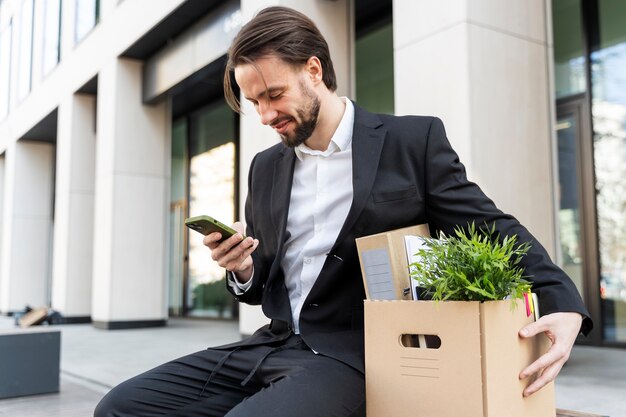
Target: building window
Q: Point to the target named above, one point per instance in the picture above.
(571, 83)
(25, 49)
(87, 16)
(374, 70)
(203, 181)
(569, 53)
(591, 134)
(46, 38)
(608, 108)
(374, 56)
(52, 35)
(178, 212)
(212, 191)
(6, 35)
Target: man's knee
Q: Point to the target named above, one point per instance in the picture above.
(113, 404)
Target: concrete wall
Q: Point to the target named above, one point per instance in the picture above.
(482, 66)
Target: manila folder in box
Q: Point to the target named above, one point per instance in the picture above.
(472, 372)
(384, 263)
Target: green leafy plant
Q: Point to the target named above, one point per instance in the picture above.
(472, 265)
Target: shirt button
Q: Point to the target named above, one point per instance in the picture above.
(307, 260)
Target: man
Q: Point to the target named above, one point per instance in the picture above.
(339, 173)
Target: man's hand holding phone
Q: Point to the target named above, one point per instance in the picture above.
(233, 253)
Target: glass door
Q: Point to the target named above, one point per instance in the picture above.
(608, 75)
(576, 195)
(212, 191)
(178, 213)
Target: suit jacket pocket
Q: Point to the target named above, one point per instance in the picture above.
(402, 194)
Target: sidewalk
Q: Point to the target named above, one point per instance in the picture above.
(93, 360)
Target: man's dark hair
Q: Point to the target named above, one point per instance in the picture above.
(281, 32)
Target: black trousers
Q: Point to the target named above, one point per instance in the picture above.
(279, 380)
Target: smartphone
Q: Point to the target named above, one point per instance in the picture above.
(207, 225)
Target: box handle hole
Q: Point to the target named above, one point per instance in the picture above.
(420, 341)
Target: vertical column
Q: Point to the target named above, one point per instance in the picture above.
(2, 186)
(483, 67)
(132, 179)
(74, 208)
(26, 225)
(335, 21)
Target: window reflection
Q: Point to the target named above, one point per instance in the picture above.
(609, 121)
(51, 38)
(569, 58)
(211, 191)
(6, 35)
(178, 213)
(374, 69)
(569, 207)
(25, 48)
(87, 13)
(46, 38)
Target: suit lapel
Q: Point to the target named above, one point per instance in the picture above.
(368, 137)
(281, 194)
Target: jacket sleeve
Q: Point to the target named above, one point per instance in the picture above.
(253, 295)
(451, 200)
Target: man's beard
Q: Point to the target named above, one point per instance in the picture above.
(308, 115)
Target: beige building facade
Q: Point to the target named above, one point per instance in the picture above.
(113, 129)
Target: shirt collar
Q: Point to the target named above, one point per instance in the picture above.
(342, 138)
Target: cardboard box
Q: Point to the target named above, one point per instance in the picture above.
(384, 263)
(474, 372)
(33, 317)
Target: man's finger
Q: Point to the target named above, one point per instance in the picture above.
(548, 375)
(540, 326)
(212, 240)
(244, 261)
(249, 250)
(543, 362)
(224, 247)
(232, 254)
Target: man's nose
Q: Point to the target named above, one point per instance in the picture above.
(267, 113)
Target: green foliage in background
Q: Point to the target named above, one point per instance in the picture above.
(472, 265)
(212, 296)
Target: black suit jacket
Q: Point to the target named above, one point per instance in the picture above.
(404, 173)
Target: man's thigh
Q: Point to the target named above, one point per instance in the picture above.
(182, 387)
(301, 383)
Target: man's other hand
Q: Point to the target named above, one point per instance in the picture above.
(234, 252)
(561, 329)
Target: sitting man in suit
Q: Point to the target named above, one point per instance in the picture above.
(339, 173)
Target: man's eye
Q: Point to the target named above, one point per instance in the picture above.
(275, 96)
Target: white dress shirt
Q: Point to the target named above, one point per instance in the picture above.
(321, 196)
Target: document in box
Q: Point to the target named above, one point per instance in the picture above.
(413, 244)
(378, 276)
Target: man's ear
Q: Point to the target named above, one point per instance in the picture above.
(313, 69)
